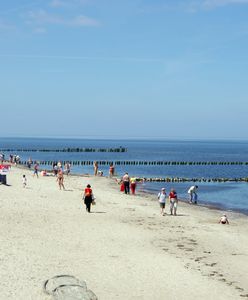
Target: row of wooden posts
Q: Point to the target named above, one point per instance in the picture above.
(119, 149)
(179, 179)
(139, 163)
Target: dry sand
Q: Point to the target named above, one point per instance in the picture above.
(124, 249)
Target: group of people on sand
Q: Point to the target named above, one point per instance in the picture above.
(98, 172)
(162, 196)
(128, 183)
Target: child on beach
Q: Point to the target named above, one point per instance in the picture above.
(224, 220)
(162, 200)
(24, 181)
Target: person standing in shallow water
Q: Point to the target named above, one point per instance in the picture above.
(95, 168)
(192, 194)
(67, 168)
(88, 197)
(111, 170)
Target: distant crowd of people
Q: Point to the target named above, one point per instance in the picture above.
(127, 185)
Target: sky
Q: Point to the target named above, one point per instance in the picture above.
(124, 69)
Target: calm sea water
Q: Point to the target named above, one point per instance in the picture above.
(228, 196)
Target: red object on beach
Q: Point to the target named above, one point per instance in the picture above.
(4, 167)
(122, 188)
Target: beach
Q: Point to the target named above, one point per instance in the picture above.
(124, 249)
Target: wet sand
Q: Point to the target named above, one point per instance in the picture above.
(124, 249)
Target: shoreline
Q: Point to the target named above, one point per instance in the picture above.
(209, 206)
(218, 207)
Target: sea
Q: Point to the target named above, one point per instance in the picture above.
(228, 196)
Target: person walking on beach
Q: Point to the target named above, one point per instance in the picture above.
(162, 200)
(29, 163)
(95, 168)
(133, 185)
(173, 202)
(88, 197)
(126, 182)
(36, 170)
(24, 181)
(192, 194)
(60, 179)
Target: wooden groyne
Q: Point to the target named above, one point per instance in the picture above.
(142, 163)
(119, 149)
(181, 179)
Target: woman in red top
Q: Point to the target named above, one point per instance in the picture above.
(88, 197)
(173, 202)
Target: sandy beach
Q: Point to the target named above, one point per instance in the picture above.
(124, 249)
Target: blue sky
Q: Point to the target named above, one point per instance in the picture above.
(133, 68)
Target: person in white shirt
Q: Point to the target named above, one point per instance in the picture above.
(192, 194)
(162, 200)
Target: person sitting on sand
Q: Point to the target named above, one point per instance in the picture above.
(224, 220)
(162, 200)
(43, 173)
(173, 202)
(100, 173)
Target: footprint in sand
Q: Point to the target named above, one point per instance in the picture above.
(239, 288)
(211, 265)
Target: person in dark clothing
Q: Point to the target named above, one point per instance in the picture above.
(88, 197)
